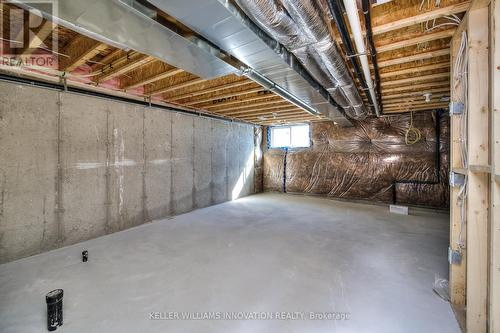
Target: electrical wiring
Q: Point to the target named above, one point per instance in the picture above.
(437, 3)
(455, 21)
(412, 134)
(460, 86)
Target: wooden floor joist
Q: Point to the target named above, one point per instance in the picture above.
(419, 108)
(125, 65)
(416, 69)
(227, 95)
(247, 107)
(426, 106)
(415, 79)
(304, 117)
(275, 106)
(418, 94)
(78, 52)
(224, 105)
(107, 60)
(205, 91)
(405, 98)
(265, 111)
(421, 18)
(176, 86)
(154, 78)
(278, 115)
(414, 57)
(426, 37)
(413, 87)
(413, 103)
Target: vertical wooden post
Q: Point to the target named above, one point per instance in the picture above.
(478, 180)
(457, 271)
(494, 285)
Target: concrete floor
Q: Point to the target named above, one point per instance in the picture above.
(264, 253)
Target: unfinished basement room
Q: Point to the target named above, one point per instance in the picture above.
(244, 166)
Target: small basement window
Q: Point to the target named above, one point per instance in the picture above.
(296, 136)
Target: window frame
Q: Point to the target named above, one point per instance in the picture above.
(270, 131)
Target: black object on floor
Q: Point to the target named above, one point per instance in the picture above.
(54, 301)
(85, 256)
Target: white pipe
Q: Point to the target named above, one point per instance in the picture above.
(353, 18)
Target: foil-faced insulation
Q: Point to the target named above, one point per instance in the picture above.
(369, 161)
(301, 28)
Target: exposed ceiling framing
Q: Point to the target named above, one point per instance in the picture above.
(413, 60)
(413, 51)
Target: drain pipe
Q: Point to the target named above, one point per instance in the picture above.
(278, 90)
(353, 18)
(373, 50)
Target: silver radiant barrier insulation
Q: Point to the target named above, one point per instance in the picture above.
(301, 28)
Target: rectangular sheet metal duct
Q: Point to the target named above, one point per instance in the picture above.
(117, 24)
(224, 25)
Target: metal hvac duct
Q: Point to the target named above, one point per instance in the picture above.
(231, 30)
(115, 23)
(300, 26)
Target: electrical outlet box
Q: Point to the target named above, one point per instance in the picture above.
(454, 256)
(456, 179)
(456, 108)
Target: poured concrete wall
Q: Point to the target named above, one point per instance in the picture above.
(74, 167)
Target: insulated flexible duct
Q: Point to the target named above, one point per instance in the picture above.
(301, 28)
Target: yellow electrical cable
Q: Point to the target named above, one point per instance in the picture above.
(412, 135)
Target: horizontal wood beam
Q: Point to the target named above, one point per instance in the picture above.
(151, 79)
(416, 69)
(78, 52)
(280, 121)
(106, 61)
(432, 106)
(265, 111)
(416, 93)
(420, 18)
(416, 100)
(227, 95)
(416, 104)
(126, 64)
(415, 79)
(304, 116)
(414, 57)
(246, 108)
(211, 90)
(421, 86)
(270, 97)
(426, 37)
(239, 107)
(176, 86)
(419, 97)
(268, 112)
